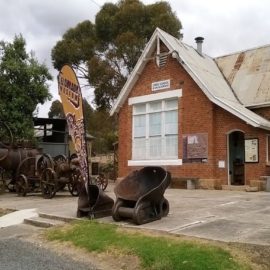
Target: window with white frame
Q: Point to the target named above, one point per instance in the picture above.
(155, 130)
(268, 149)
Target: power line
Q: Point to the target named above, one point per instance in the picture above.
(93, 1)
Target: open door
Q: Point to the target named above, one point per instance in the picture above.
(236, 158)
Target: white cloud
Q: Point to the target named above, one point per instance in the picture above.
(227, 26)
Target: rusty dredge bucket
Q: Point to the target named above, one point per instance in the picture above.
(94, 203)
(140, 196)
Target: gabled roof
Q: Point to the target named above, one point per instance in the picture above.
(203, 70)
(248, 73)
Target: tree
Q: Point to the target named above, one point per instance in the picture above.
(56, 110)
(23, 84)
(106, 53)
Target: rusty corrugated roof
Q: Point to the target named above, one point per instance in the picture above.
(248, 73)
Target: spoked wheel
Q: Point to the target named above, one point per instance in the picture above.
(21, 185)
(74, 186)
(48, 183)
(60, 159)
(44, 162)
(102, 181)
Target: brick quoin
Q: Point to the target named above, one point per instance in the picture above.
(197, 114)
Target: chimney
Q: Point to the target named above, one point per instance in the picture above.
(199, 41)
(181, 36)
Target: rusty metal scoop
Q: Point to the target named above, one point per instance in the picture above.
(95, 203)
(139, 196)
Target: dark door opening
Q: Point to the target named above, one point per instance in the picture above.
(236, 158)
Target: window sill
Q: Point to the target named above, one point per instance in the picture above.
(156, 162)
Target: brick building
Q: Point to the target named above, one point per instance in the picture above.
(197, 116)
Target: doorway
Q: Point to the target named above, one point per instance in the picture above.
(236, 158)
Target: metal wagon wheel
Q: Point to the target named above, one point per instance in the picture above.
(102, 181)
(48, 183)
(75, 183)
(22, 186)
(44, 162)
(24, 172)
(60, 159)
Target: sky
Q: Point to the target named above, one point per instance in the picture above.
(227, 26)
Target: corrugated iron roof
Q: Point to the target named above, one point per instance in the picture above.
(204, 71)
(248, 73)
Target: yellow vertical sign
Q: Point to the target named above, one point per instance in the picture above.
(71, 97)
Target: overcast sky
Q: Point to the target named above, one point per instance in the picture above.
(227, 26)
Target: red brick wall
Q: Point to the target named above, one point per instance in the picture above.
(226, 122)
(264, 112)
(196, 115)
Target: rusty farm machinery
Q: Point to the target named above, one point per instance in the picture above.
(139, 196)
(30, 170)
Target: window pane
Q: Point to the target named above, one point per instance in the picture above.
(139, 125)
(171, 104)
(154, 124)
(155, 147)
(171, 122)
(155, 106)
(139, 108)
(268, 148)
(171, 146)
(139, 148)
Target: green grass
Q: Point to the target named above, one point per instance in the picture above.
(155, 253)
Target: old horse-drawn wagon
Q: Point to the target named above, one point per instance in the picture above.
(33, 171)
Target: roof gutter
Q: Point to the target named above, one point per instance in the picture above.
(258, 105)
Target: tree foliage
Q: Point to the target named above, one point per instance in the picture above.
(106, 52)
(23, 84)
(56, 110)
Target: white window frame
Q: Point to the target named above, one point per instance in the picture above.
(146, 99)
(267, 150)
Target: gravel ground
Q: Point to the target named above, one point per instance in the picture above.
(17, 254)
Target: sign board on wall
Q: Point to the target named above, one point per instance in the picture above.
(252, 150)
(195, 146)
(161, 85)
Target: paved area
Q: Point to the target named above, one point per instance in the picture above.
(17, 217)
(232, 216)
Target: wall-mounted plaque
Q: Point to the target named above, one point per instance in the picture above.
(252, 150)
(161, 85)
(195, 147)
